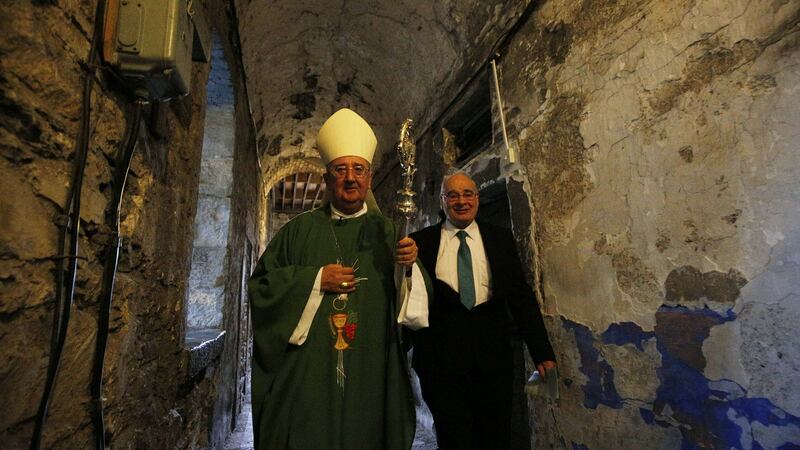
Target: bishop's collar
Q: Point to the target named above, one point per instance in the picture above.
(336, 214)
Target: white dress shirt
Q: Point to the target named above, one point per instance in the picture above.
(447, 260)
(413, 310)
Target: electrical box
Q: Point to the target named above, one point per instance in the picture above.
(149, 43)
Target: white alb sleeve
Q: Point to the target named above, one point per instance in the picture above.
(300, 332)
(414, 309)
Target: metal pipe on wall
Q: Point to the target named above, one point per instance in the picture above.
(512, 154)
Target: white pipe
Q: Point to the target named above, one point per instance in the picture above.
(512, 155)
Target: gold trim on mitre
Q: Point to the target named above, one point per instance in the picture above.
(345, 133)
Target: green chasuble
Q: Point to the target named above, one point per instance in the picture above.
(299, 401)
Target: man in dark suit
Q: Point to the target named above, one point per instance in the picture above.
(464, 359)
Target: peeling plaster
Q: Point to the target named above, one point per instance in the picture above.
(676, 227)
(721, 351)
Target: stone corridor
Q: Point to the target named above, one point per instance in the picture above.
(645, 154)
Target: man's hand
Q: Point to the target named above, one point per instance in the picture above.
(406, 252)
(544, 366)
(338, 278)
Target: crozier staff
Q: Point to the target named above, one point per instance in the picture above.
(328, 372)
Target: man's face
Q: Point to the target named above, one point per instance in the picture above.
(460, 200)
(347, 179)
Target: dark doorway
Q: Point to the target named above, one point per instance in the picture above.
(495, 209)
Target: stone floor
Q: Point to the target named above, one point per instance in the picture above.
(242, 436)
(425, 439)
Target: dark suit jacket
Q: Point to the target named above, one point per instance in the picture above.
(461, 340)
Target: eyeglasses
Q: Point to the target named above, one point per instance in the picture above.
(453, 196)
(340, 171)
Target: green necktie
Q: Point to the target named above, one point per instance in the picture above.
(466, 282)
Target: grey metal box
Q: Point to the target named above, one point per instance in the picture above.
(153, 47)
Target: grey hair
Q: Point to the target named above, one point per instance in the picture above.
(450, 173)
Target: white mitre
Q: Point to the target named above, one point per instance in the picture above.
(345, 133)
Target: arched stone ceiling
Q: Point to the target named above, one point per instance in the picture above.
(386, 59)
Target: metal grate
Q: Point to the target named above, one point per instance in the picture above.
(297, 193)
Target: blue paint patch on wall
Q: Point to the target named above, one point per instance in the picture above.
(600, 388)
(626, 333)
(648, 416)
(709, 412)
(576, 446)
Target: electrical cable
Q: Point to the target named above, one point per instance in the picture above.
(65, 284)
(123, 164)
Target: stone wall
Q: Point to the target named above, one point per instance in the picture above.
(150, 400)
(248, 213)
(212, 222)
(660, 140)
(658, 160)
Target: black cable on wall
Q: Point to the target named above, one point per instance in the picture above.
(122, 167)
(65, 283)
(67, 265)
